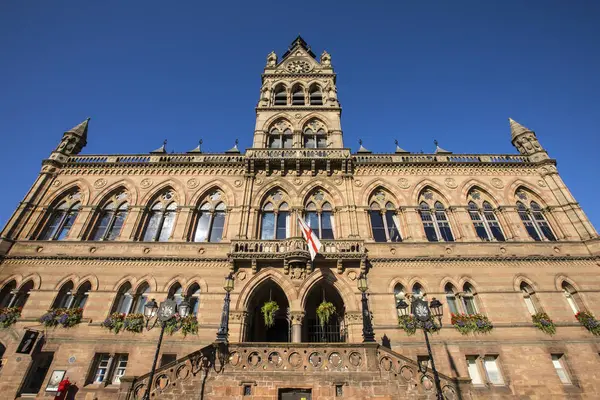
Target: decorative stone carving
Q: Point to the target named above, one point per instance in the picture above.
(497, 183)
(192, 183)
(57, 183)
(451, 183)
(325, 59)
(296, 317)
(358, 183)
(338, 181)
(297, 273)
(403, 183)
(298, 66)
(297, 181)
(99, 183)
(146, 183)
(237, 183)
(271, 60)
(541, 183)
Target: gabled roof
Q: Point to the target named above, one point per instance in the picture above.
(299, 42)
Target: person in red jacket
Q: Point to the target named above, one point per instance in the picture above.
(63, 388)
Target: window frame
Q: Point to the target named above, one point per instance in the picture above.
(60, 216)
(529, 219)
(319, 210)
(479, 216)
(435, 222)
(560, 360)
(279, 208)
(164, 206)
(214, 206)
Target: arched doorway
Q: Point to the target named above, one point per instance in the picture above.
(256, 330)
(335, 329)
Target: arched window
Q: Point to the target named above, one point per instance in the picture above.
(436, 225)
(280, 96)
(417, 291)
(529, 298)
(275, 217)
(468, 299)
(124, 299)
(485, 221)
(160, 219)
(176, 293)
(572, 297)
(110, 219)
(298, 95)
(316, 96)
(81, 296)
(141, 298)
(315, 135)
(6, 294)
(67, 299)
(318, 215)
(451, 298)
(210, 218)
(281, 135)
(193, 296)
(384, 221)
(21, 296)
(399, 294)
(61, 219)
(533, 219)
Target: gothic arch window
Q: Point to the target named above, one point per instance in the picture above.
(61, 218)
(533, 218)
(193, 296)
(468, 299)
(385, 225)
(22, 295)
(210, 218)
(275, 215)
(318, 215)
(298, 95)
(315, 135)
(281, 135)
(176, 293)
(530, 298)
(6, 294)
(68, 299)
(434, 218)
(129, 302)
(160, 218)
(573, 298)
(110, 219)
(451, 298)
(315, 95)
(399, 294)
(483, 216)
(280, 96)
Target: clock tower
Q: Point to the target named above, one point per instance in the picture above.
(298, 105)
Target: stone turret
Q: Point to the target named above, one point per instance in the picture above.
(526, 142)
(73, 141)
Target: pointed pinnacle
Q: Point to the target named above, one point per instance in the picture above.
(516, 128)
(81, 129)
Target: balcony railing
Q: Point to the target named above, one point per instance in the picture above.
(298, 153)
(280, 248)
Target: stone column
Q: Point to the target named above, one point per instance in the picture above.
(296, 318)
(463, 221)
(514, 223)
(182, 222)
(455, 223)
(82, 222)
(134, 217)
(415, 226)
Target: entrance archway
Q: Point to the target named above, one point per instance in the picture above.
(256, 330)
(335, 329)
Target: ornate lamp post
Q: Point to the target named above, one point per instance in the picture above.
(162, 314)
(424, 313)
(367, 331)
(223, 332)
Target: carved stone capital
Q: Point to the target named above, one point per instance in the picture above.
(238, 316)
(296, 317)
(354, 317)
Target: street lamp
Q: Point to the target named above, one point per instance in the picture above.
(423, 314)
(367, 331)
(162, 314)
(223, 332)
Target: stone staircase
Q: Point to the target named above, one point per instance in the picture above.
(259, 370)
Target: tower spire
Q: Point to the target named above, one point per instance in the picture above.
(526, 142)
(516, 128)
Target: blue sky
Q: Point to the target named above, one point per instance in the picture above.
(408, 70)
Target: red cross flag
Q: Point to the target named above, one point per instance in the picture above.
(314, 244)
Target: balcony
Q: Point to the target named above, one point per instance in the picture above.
(286, 248)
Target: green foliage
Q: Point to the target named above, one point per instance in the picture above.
(9, 316)
(268, 310)
(476, 323)
(544, 323)
(117, 322)
(324, 312)
(66, 317)
(590, 322)
(408, 323)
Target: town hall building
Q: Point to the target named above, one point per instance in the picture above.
(101, 240)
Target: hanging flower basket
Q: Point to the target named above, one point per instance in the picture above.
(268, 310)
(589, 322)
(476, 323)
(408, 323)
(114, 322)
(189, 325)
(324, 312)
(9, 316)
(543, 322)
(66, 317)
(117, 322)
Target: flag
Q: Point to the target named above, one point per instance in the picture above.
(314, 244)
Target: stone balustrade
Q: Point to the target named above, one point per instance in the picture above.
(282, 248)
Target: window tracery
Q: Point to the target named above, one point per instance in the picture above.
(318, 215)
(533, 218)
(61, 218)
(160, 218)
(434, 218)
(385, 225)
(451, 298)
(129, 302)
(68, 299)
(275, 215)
(210, 218)
(484, 218)
(315, 135)
(281, 135)
(111, 218)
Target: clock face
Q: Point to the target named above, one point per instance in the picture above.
(298, 66)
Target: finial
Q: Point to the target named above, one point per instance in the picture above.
(435, 142)
(161, 149)
(197, 149)
(360, 142)
(236, 142)
(234, 149)
(361, 149)
(398, 148)
(396, 142)
(439, 150)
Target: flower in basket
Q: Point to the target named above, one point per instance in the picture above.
(543, 322)
(589, 322)
(114, 322)
(467, 323)
(189, 325)
(173, 325)
(408, 323)
(134, 323)
(268, 310)
(324, 312)
(67, 317)
(9, 316)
